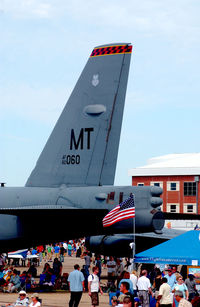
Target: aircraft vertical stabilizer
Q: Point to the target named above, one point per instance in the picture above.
(83, 147)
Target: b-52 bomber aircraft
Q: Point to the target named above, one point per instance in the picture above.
(71, 189)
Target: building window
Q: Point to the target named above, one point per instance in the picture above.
(157, 184)
(140, 184)
(173, 208)
(173, 186)
(189, 208)
(189, 188)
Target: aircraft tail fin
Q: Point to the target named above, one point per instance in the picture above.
(83, 147)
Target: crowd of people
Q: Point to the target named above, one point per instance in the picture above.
(157, 288)
(146, 286)
(23, 300)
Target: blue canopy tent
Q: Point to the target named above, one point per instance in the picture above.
(183, 249)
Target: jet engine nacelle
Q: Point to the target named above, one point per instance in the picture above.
(117, 245)
(148, 216)
(12, 229)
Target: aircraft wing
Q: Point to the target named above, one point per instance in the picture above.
(120, 244)
(181, 216)
(166, 234)
(48, 214)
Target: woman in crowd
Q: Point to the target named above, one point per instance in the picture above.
(48, 271)
(22, 300)
(14, 282)
(180, 285)
(35, 300)
(133, 278)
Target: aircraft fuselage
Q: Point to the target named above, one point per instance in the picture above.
(39, 215)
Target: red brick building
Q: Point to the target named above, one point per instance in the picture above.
(178, 175)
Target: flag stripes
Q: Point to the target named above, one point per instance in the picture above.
(123, 211)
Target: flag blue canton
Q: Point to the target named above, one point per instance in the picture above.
(128, 203)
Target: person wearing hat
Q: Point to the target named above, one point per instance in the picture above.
(21, 301)
(35, 300)
(171, 278)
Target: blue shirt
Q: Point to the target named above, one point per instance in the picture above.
(171, 280)
(34, 252)
(181, 288)
(56, 249)
(76, 278)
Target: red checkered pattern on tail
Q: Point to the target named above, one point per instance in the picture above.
(111, 50)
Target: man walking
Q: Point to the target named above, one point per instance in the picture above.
(164, 296)
(76, 286)
(144, 288)
(94, 286)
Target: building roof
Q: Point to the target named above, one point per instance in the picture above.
(172, 164)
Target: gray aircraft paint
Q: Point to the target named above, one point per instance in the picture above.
(83, 147)
(68, 193)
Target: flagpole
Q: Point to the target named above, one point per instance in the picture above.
(133, 233)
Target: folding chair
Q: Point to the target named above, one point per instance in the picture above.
(42, 279)
(23, 284)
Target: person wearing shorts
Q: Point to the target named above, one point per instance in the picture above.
(94, 286)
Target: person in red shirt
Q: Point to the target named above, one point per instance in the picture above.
(40, 249)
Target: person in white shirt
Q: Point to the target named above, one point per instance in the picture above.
(134, 279)
(94, 286)
(164, 296)
(182, 301)
(144, 288)
(35, 300)
(22, 300)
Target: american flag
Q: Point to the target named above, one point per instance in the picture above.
(123, 211)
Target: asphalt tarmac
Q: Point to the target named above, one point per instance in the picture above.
(58, 299)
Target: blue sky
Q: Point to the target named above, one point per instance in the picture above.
(44, 47)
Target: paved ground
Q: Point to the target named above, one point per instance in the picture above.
(58, 299)
(55, 299)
